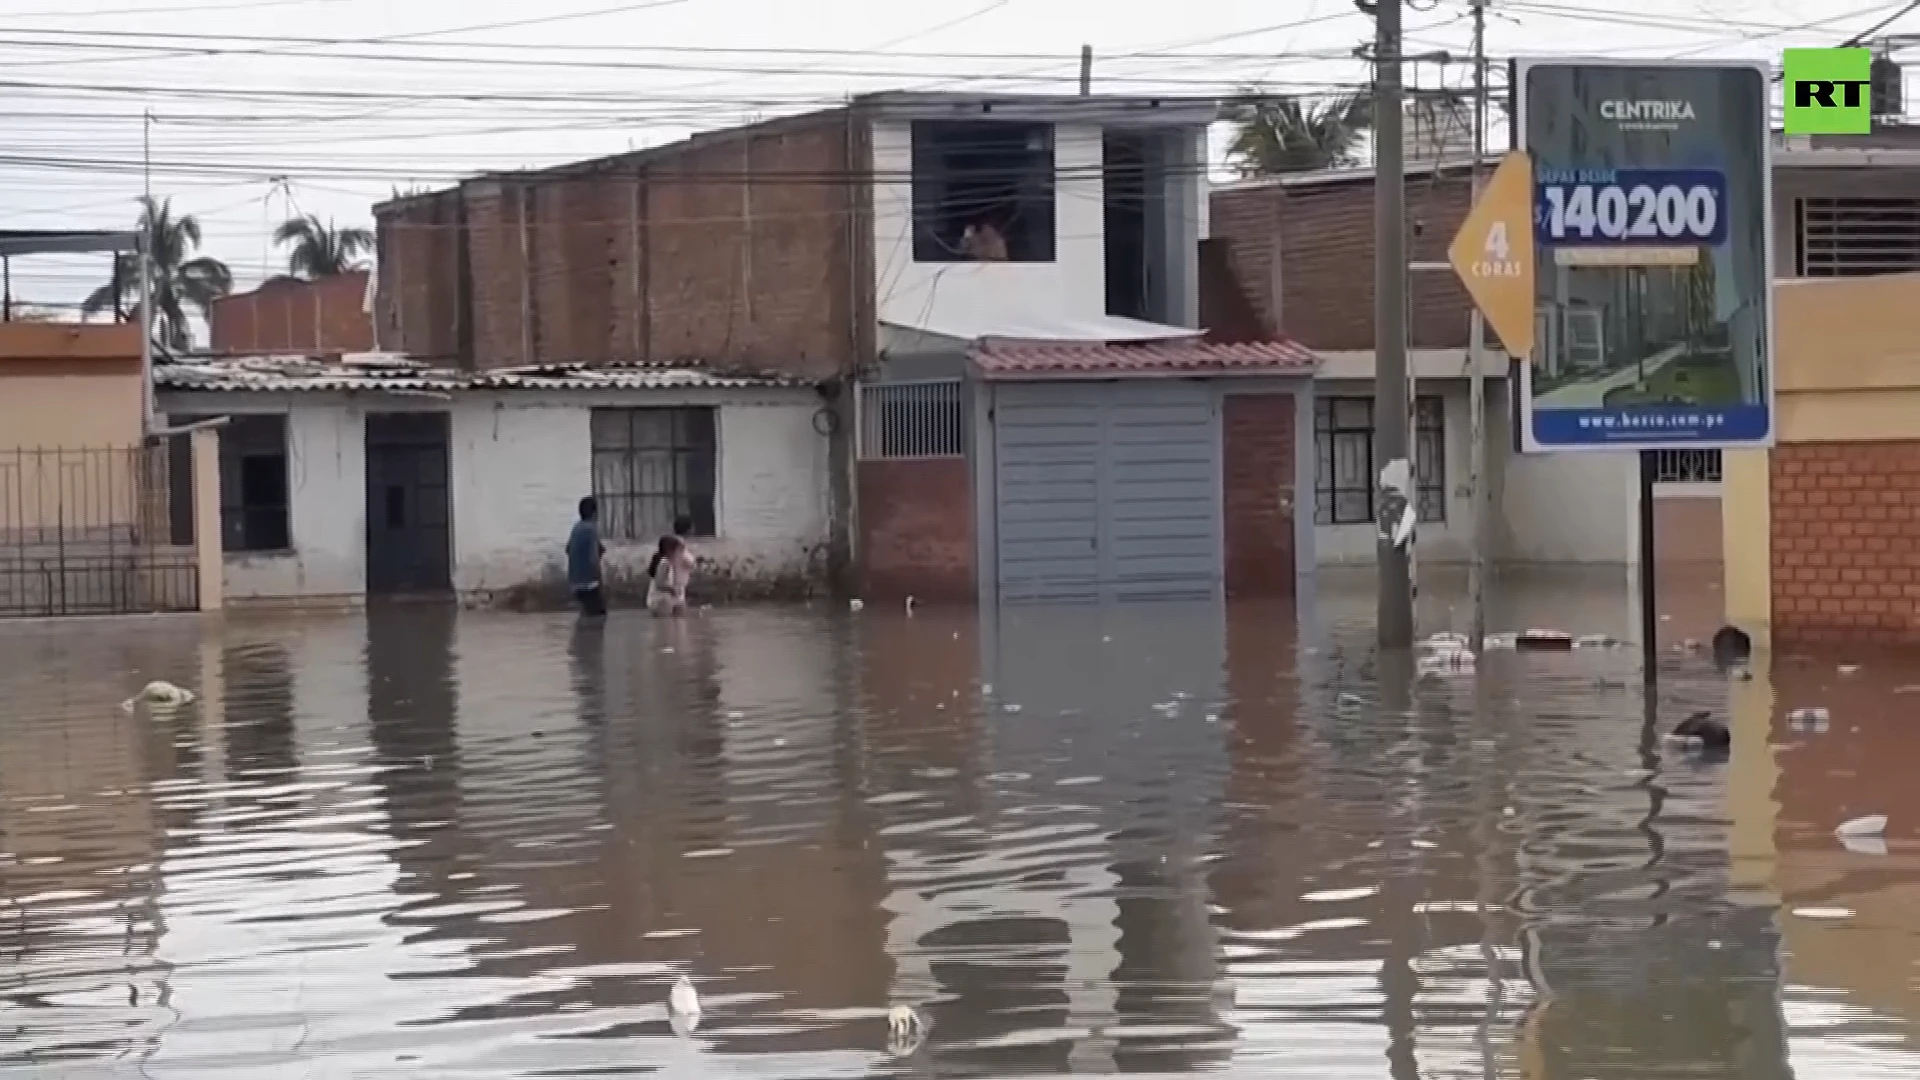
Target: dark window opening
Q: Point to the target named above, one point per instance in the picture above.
(983, 190)
(1343, 460)
(651, 466)
(1124, 202)
(255, 493)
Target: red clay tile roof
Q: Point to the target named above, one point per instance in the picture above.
(1189, 356)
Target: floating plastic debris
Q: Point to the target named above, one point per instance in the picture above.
(1870, 825)
(910, 605)
(856, 605)
(1824, 912)
(1340, 896)
(1865, 845)
(1425, 845)
(1010, 707)
(1848, 669)
(1537, 640)
(159, 694)
(1812, 718)
(683, 1006)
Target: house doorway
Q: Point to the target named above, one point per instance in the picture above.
(408, 539)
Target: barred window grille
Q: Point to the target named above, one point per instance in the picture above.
(1344, 468)
(912, 420)
(651, 466)
(1857, 237)
(1686, 466)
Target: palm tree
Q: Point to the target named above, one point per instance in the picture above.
(178, 277)
(321, 249)
(1291, 134)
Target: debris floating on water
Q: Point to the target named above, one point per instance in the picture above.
(159, 694)
(856, 605)
(1870, 825)
(1848, 669)
(683, 1006)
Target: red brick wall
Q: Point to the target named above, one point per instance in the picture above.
(1323, 235)
(420, 242)
(289, 316)
(1846, 551)
(916, 529)
(666, 254)
(1259, 494)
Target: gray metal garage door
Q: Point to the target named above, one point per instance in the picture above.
(1107, 491)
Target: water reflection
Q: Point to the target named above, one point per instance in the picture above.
(1164, 840)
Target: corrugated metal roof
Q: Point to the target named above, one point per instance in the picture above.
(391, 373)
(1028, 359)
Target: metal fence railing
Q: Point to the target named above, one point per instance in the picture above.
(92, 531)
(912, 420)
(1687, 466)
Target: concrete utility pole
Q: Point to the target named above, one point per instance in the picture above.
(1395, 486)
(1477, 357)
(1086, 70)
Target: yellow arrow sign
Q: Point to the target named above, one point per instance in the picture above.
(1493, 253)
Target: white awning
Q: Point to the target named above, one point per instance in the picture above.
(1023, 326)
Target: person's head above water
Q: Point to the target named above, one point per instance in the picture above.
(682, 525)
(589, 508)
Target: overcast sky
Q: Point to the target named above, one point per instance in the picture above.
(264, 108)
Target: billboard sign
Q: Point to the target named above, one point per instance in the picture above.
(1653, 241)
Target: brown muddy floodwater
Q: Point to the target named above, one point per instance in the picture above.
(1155, 840)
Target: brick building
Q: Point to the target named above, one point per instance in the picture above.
(291, 315)
(910, 252)
(1820, 531)
(1303, 248)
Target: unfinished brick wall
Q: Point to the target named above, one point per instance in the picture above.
(732, 248)
(1321, 236)
(289, 316)
(421, 244)
(1260, 496)
(916, 529)
(1846, 554)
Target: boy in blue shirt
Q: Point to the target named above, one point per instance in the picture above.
(584, 551)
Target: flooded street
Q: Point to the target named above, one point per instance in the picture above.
(1154, 840)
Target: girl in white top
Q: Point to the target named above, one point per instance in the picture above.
(670, 570)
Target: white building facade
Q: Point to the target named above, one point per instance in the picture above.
(343, 480)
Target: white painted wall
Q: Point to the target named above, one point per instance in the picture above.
(951, 297)
(1567, 508)
(1449, 541)
(968, 294)
(327, 488)
(520, 463)
(1571, 507)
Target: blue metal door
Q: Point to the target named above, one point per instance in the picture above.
(1107, 491)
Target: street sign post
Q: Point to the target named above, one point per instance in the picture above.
(1494, 253)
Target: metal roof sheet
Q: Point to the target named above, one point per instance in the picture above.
(391, 373)
(998, 359)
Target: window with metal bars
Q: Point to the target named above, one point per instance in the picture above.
(1343, 460)
(1686, 466)
(651, 466)
(1856, 237)
(912, 420)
